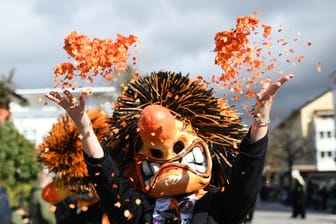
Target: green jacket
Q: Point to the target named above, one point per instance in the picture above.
(39, 209)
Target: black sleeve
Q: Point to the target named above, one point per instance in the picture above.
(67, 212)
(64, 212)
(122, 203)
(246, 178)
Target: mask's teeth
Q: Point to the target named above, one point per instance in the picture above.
(189, 158)
(149, 169)
(155, 167)
(195, 160)
(198, 155)
(146, 169)
(200, 168)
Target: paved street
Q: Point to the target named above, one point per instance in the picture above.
(274, 213)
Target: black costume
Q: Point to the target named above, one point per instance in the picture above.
(227, 206)
(298, 197)
(68, 212)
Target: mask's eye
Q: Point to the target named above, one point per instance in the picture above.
(156, 153)
(178, 147)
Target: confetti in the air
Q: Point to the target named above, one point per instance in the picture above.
(246, 55)
(104, 57)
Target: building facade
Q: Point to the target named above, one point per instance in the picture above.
(308, 136)
(35, 120)
(324, 135)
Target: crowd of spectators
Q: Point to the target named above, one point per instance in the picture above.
(320, 195)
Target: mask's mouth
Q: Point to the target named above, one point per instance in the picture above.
(85, 195)
(195, 160)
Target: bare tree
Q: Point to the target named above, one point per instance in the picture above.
(286, 149)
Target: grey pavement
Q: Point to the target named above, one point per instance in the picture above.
(276, 213)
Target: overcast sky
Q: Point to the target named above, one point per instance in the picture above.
(175, 35)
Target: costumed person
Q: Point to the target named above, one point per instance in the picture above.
(40, 211)
(71, 191)
(177, 153)
(298, 195)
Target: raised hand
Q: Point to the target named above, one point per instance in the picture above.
(76, 110)
(262, 108)
(75, 107)
(266, 96)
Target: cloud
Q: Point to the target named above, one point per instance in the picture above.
(175, 35)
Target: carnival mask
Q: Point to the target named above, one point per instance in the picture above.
(173, 160)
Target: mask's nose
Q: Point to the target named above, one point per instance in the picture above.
(157, 128)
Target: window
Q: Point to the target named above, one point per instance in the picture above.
(328, 134)
(322, 154)
(329, 154)
(321, 134)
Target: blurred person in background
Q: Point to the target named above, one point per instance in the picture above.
(5, 209)
(19, 215)
(298, 195)
(40, 210)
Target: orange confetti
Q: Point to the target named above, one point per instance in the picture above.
(128, 215)
(267, 30)
(236, 97)
(277, 118)
(138, 201)
(91, 58)
(39, 100)
(318, 69)
(235, 52)
(243, 62)
(117, 204)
